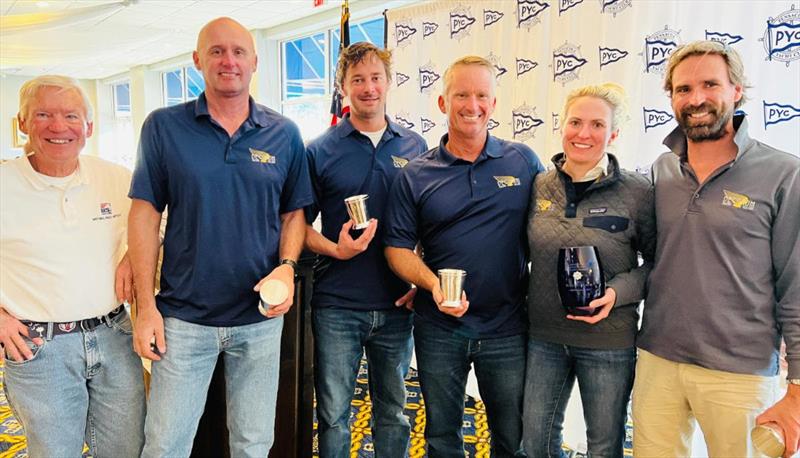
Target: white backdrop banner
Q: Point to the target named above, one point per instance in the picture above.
(542, 49)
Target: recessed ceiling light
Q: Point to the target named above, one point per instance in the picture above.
(42, 4)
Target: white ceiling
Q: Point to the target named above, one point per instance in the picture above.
(144, 32)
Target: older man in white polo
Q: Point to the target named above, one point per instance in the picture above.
(70, 371)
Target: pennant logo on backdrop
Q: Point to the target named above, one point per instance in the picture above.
(528, 12)
(611, 55)
(614, 6)
(403, 31)
(429, 28)
(564, 5)
(403, 119)
(499, 70)
(427, 77)
(524, 66)
(460, 22)
(556, 119)
(426, 124)
(492, 124)
(725, 38)
(401, 78)
(782, 37)
(654, 118)
(524, 122)
(567, 62)
(657, 49)
(775, 113)
(491, 17)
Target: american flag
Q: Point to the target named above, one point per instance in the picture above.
(340, 105)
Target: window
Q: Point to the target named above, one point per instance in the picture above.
(122, 99)
(308, 67)
(182, 85)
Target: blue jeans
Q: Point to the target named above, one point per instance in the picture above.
(180, 383)
(81, 386)
(444, 360)
(340, 338)
(605, 378)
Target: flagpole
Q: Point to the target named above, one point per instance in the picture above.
(344, 41)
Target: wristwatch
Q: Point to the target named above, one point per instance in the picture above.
(291, 262)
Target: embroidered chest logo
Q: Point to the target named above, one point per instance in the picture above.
(542, 205)
(506, 181)
(399, 162)
(736, 200)
(105, 208)
(106, 212)
(261, 156)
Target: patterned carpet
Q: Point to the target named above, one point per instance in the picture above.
(12, 441)
(476, 431)
(475, 426)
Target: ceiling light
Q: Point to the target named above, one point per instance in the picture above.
(42, 4)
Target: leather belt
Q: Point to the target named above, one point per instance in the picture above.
(48, 330)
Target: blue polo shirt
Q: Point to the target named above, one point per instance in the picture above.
(225, 196)
(470, 216)
(343, 162)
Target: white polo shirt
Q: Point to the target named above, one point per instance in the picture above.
(61, 240)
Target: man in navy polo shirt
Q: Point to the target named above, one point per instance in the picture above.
(466, 203)
(358, 301)
(234, 176)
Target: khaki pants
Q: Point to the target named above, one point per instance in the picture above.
(668, 397)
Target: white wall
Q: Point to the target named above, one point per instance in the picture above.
(9, 106)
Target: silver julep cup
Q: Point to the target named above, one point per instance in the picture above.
(452, 283)
(357, 209)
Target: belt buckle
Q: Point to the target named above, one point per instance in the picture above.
(107, 317)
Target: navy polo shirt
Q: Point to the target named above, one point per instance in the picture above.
(343, 162)
(225, 196)
(470, 216)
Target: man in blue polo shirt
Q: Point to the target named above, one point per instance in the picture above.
(358, 301)
(234, 176)
(466, 203)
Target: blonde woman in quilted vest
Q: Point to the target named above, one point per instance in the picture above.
(586, 199)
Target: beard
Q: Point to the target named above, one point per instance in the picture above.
(711, 130)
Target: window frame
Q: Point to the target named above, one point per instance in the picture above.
(115, 102)
(329, 65)
(184, 79)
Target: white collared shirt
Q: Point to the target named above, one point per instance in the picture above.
(60, 242)
(599, 170)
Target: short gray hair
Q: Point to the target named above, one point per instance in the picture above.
(30, 89)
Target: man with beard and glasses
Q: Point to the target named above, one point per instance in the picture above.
(725, 285)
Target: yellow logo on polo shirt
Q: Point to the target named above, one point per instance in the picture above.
(399, 162)
(542, 205)
(736, 200)
(507, 181)
(261, 156)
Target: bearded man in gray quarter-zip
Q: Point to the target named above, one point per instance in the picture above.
(726, 282)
